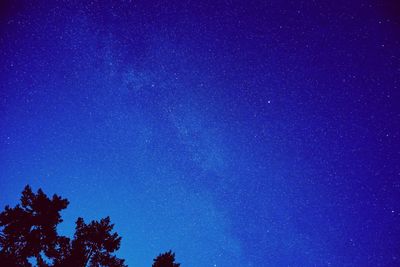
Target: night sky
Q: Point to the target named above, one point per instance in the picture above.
(251, 133)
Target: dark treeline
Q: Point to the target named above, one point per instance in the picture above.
(28, 237)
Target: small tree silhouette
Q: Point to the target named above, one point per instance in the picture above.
(166, 259)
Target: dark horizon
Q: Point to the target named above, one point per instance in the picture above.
(249, 133)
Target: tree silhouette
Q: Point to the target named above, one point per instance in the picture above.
(29, 234)
(28, 237)
(29, 229)
(94, 244)
(166, 259)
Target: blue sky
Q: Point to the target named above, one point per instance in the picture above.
(257, 133)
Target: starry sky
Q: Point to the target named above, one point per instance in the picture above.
(236, 133)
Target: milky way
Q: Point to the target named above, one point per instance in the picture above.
(236, 134)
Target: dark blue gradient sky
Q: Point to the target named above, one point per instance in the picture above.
(252, 133)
